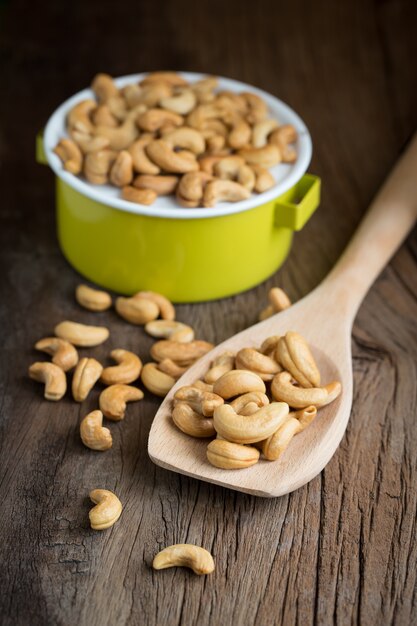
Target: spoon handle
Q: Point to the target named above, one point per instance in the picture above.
(387, 222)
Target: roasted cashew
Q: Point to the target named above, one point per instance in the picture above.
(97, 166)
(200, 384)
(192, 423)
(163, 155)
(137, 310)
(170, 367)
(261, 131)
(185, 555)
(170, 329)
(234, 168)
(102, 116)
(297, 397)
(140, 196)
(118, 108)
(303, 369)
(268, 347)
(155, 380)
(240, 134)
(113, 399)
(257, 107)
(107, 510)
(170, 78)
(274, 446)
(263, 178)
(255, 361)
(214, 143)
(161, 185)
(86, 374)
(127, 370)
(93, 434)
(87, 143)
(149, 95)
(166, 308)
(141, 163)
(203, 402)
(53, 377)
(182, 102)
(199, 117)
(282, 138)
(279, 302)
(121, 173)
(79, 117)
(249, 429)
(224, 191)
(181, 353)
(104, 87)
(257, 398)
(70, 155)
(63, 353)
(153, 119)
(187, 138)
(228, 455)
(191, 186)
(82, 335)
(238, 382)
(93, 299)
(120, 138)
(205, 85)
(223, 363)
(267, 156)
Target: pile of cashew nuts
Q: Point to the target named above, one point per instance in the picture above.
(167, 136)
(234, 389)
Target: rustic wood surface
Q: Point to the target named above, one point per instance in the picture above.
(341, 549)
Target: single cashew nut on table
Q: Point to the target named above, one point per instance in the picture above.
(185, 555)
(283, 390)
(93, 434)
(170, 367)
(107, 510)
(93, 299)
(128, 368)
(53, 377)
(249, 429)
(113, 400)
(63, 353)
(227, 455)
(82, 335)
(137, 310)
(86, 374)
(170, 329)
(238, 382)
(192, 423)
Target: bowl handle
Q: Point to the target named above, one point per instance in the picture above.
(40, 150)
(295, 207)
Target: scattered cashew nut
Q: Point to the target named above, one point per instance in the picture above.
(107, 510)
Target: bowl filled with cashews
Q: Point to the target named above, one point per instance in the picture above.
(186, 184)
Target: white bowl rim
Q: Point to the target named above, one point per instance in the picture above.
(56, 122)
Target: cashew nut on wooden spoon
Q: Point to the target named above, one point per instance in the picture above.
(324, 318)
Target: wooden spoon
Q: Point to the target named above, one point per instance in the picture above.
(324, 318)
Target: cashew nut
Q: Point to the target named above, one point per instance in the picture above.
(102, 116)
(140, 196)
(70, 155)
(86, 374)
(166, 308)
(185, 555)
(264, 179)
(137, 310)
(202, 113)
(79, 116)
(283, 355)
(87, 143)
(170, 367)
(279, 302)
(263, 365)
(113, 399)
(214, 143)
(268, 347)
(93, 434)
(153, 119)
(161, 185)
(234, 168)
(141, 163)
(97, 166)
(224, 191)
(294, 350)
(191, 187)
(267, 156)
(192, 423)
(205, 85)
(155, 380)
(282, 137)
(53, 377)
(82, 335)
(227, 455)
(240, 134)
(121, 173)
(183, 102)
(171, 78)
(186, 137)
(169, 329)
(297, 397)
(257, 398)
(181, 353)
(238, 382)
(203, 402)
(223, 363)
(249, 429)
(149, 95)
(104, 87)
(107, 510)
(162, 153)
(93, 299)
(121, 137)
(257, 107)
(260, 132)
(63, 353)
(127, 370)
(275, 445)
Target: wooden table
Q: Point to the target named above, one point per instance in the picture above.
(341, 549)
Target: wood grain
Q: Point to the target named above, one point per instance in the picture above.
(340, 550)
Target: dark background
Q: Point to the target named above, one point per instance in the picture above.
(339, 550)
